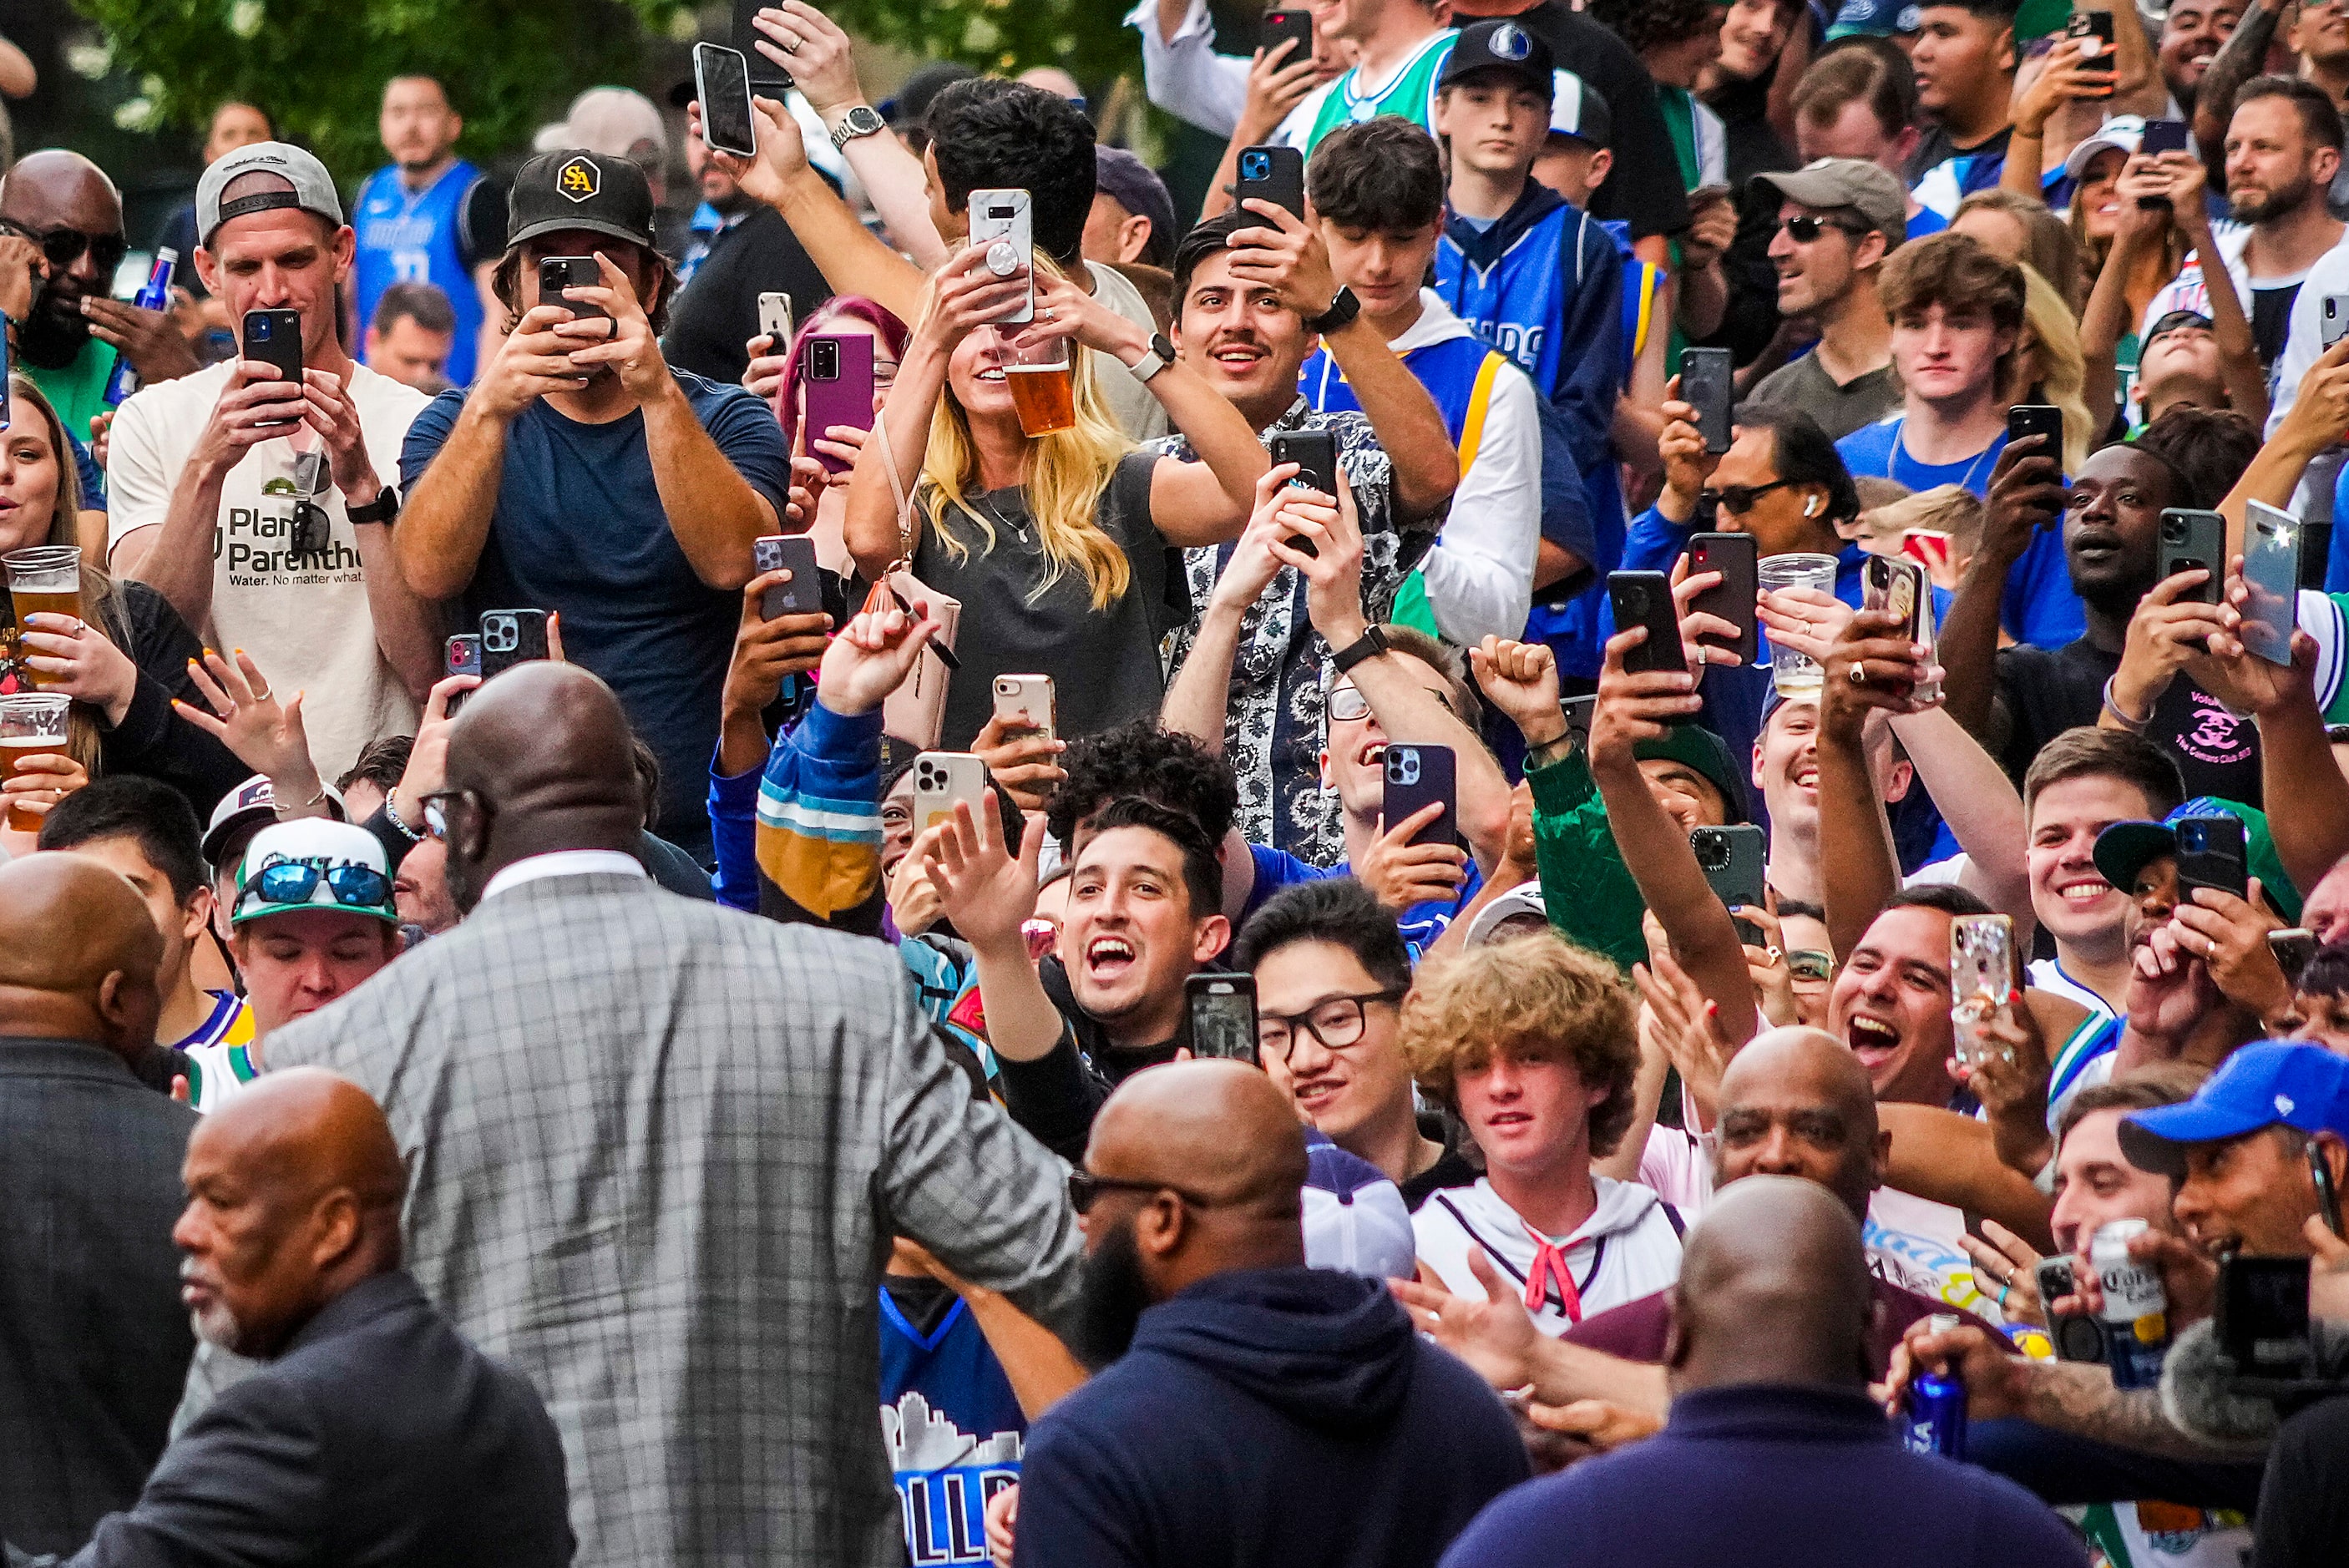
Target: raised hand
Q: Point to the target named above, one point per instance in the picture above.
(80, 662)
(262, 732)
(1253, 567)
(1521, 680)
(1024, 763)
(428, 758)
(1493, 1335)
(1403, 875)
(982, 888)
(872, 657)
(1636, 707)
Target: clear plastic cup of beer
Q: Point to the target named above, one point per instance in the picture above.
(31, 724)
(45, 579)
(1038, 374)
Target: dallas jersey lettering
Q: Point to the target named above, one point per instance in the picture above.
(953, 1428)
(220, 1053)
(412, 238)
(1409, 94)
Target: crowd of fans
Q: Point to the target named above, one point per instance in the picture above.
(521, 1015)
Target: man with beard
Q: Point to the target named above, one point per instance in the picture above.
(741, 250)
(292, 1237)
(427, 216)
(2192, 36)
(67, 346)
(1249, 1408)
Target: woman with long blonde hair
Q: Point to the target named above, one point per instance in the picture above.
(1057, 545)
(2049, 369)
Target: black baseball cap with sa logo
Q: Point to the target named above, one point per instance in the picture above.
(579, 190)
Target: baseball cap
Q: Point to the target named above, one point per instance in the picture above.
(1828, 183)
(1578, 109)
(2125, 848)
(575, 188)
(1135, 186)
(1704, 751)
(251, 804)
(1355, 1218)
(614, 122)
(309, 188)
(1499, 46)
(2270, 1084)
(2173, 321)
(314, 864)
(1524, 899)
(2124, 133)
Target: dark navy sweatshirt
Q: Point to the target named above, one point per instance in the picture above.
(1275, 1418)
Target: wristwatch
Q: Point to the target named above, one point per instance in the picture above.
(1342, 309)
(1370, 645)
(858, 122)
(382, 509)
(1157, 358)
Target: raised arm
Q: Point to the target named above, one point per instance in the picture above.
(2295, 757)
(1980, 803)
(1870, 667)
(2238, 355)
(2244, 56)
(1198, 699)
(1276, 83)
(2026, 494)
(1952, 1158)
(989, 894)
(2313, 424)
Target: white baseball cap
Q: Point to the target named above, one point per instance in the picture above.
(310, 186)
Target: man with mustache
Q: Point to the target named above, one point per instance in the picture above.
(1243, 1398)
(292, 1237)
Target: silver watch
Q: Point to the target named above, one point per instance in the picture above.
(858, 122)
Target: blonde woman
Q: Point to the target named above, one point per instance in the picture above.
(2049, 369)
(1056, 545)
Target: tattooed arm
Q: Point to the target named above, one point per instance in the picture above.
(2072, 1396)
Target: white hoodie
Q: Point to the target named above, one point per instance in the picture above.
(1626, 1249)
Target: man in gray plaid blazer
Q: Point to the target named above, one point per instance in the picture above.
(658, 1149)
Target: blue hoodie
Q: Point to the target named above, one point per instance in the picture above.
(1269, 1416)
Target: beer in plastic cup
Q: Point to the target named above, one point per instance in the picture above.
(1042, 392)
(45, 580)
(31, 725)
(1794, 674)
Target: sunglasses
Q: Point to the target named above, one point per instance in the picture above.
(1085, 1189)
(63, 247)
(1807, 228)
(1738, 500)
(297, 881)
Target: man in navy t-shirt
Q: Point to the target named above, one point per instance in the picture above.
(584, 476)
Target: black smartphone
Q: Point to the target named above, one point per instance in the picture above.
(2328, 1196)
(2190, 540)
(2263, 1319)
(511, 637)
(1737, 558)
(1418, 776)
(1273, 174)
(1645, 599)
(767, 78)
(794, 552)
(1708, 385)
(1282, 23)
(1578, 711)
(2163, 136)
(1222, 1012)
(1315, 453)
(461, 656)
(2076, 1336)
(1732, 859)
(273, 337)
(556, 274)
(2211, 855)
(2095, 29)
(2293, 948)
(2037, 419)
(722, 80)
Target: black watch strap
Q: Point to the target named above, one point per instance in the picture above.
(382, 509)
(1343, 309)
(1370, 645)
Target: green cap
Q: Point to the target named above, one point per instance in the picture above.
(1704, 751)
(2125, 849)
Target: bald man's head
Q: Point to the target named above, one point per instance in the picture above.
(78, 955)
(56, 189)
(1202, 1166)
(1773, 1288)
(293, 1194)
(546, 753)
(1797, 1103)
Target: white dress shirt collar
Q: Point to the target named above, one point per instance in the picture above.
(565, 863)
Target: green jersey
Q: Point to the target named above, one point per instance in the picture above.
(76, 389)
(1409, 94)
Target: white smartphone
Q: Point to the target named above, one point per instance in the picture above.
(775, 321)
(1981, 980)
(1000, 219)
(941, 778)
(721, 81)
(1025, 702)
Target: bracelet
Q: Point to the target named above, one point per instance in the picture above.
(279, 810)
(2134, 726)
(391, 815)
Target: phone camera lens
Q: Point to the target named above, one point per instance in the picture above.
(823, 361)
(260, 327)
(2173, 531)
(1255, 166)
(2193, 838)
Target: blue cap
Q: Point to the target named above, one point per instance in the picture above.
(2271, 1084)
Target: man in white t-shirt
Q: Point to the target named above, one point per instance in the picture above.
(262, 510)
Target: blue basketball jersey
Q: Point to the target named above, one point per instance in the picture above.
(953, 1428)
(412, 238)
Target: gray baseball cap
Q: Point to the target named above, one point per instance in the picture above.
(312, 188)
(1828, 183)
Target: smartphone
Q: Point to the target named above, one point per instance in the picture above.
(2095, 30)
(1222, 1013)
(775, 321)
(556, 274)
(2334, 322)
(721, 80)
(795, 553)
(1281, 24)
(1645, 599)
(511, 637)
(275, 338)
(2076, 1336)
(461, 656)
(1889, 582)
(836, 377)
(1000, 220)
(2037, 419)
(767, 78)
(2271, 541)
(1737, 558)
(1732, 859)
(2293, 949)
(2328, 1196)
(2211, 855)
(1981, 980)
(2163, 136)
(1315, 453)
(1578, 711)
(1708, 386)
(1418, 776)
(2263, 1319)
(1273, 174)
(941, 778)
(2190, 540)
(1025, 702)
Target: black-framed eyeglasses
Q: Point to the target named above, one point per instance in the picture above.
(1085, 1189)
(63, 247)
(1334, 1022)
(1347, 704)
(1806, 227)
(1738, 500)
(297, 881)
(436, 810)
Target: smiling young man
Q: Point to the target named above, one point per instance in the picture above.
(2080, 783)
(1786, 772)
(2192, 34)
(1965, 58)
(1838, 218)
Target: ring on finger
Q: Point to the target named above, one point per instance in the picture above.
(1859, 673)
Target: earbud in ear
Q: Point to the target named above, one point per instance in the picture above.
(1811, 507)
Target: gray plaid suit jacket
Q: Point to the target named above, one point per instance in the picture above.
(656, 1150)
